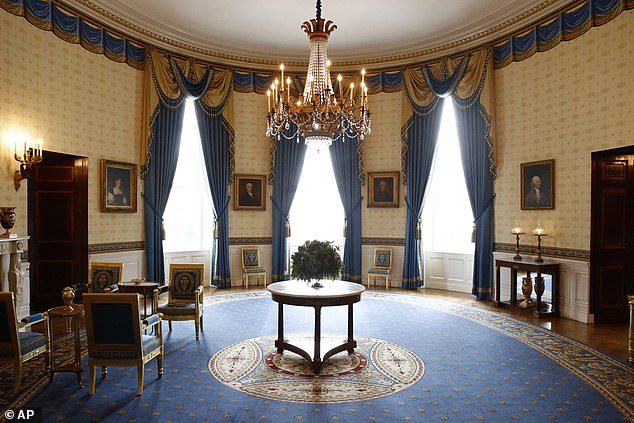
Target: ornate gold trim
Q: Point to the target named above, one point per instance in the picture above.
(380, 60)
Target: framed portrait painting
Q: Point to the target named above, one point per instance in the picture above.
(383, 189)
(249, 192)
(537, 186)
(118, 186)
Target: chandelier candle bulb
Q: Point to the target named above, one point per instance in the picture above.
(282, 69)
(268, 98)
(351, 91)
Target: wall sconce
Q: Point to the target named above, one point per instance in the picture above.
(517, 231)
(31, 156)
(539, 232)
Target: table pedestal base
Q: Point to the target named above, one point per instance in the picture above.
(316, 359)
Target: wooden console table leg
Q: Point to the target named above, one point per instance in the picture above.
(317, 355)
(514, 286)
(497, 287)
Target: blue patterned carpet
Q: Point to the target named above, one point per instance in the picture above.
(479, 366)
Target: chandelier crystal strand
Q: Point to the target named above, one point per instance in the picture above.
(318, 115)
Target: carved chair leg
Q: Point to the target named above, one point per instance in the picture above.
(169, 323)
(140, 373)
(92, 379)
(159, 365)
(197, 324)
(18, 376)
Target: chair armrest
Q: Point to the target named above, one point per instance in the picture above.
(199, 293)
(35, 318)
(151, 320)
(163, 288)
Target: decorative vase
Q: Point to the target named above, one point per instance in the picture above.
(7, 220)
(68, 294)
(527, 289)
(539, 286)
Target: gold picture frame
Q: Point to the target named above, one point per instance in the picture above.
(249, 192)
(537, 186)
(383, 189)
(118, 187)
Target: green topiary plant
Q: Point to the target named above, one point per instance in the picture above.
(316, 260)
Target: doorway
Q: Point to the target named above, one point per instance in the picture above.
(612, 234)
(57, 226)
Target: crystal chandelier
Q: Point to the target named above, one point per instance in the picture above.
(319, 115)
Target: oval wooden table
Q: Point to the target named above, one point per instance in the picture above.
(299, 293)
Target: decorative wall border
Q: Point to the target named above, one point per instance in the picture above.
(383, 241)
(110, 247)
(251, 241)
(567, 253)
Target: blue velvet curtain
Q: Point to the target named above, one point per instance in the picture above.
(422, 134)
(345, 162)
(215, 134)
(474, 151)
(465, 79)
(289, 161)
(167, 126)
(168, 81)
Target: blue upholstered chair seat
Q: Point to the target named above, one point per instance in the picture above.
(115, 335)
(379, 270)
(255, 270)
(18, 344)
(178, 309)
(150, 343)
(30, 341)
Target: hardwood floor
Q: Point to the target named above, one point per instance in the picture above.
(609, 338)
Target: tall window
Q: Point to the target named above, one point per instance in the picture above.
(188, 217)
(447, 218)
(317, 212)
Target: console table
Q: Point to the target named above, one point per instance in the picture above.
(297, 293)
(529, 266)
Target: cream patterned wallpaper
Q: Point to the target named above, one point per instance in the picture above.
(252, 158)
(382, 152)
(79, 103)
(563, 105)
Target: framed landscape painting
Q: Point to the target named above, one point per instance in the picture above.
(537, 186)
(383, 189)
(118, 186)
(249, 192)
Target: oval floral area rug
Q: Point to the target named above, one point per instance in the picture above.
(376, 369)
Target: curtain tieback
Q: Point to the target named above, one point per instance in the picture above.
(146, 201)
(484, 209)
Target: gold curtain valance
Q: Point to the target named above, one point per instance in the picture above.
(164, 84)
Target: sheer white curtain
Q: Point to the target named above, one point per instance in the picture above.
(317, 212)
(447, 217)
(188, 217)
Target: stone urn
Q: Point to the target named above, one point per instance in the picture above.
(7, 220)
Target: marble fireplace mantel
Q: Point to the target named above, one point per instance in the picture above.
(14, 274)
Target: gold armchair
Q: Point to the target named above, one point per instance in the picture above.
(17, 347)
(382, 266)
(116, 336)
(104, 277)
(185, 301)
(251, 266)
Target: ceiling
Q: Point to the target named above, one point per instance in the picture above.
(262, 33)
